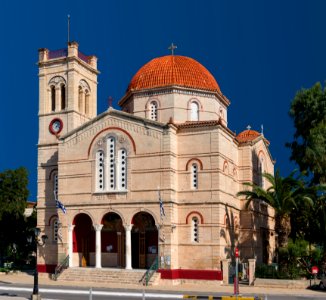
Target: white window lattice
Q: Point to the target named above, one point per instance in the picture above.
(194, 176)
(55, 185)
(122, 159)
(194, 229)
(111, 167)
(194, 111)
(153, 111)
(55, 230)
(100, 170)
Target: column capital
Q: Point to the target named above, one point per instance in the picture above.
(71, 227)
(98, 227)
(128, 227)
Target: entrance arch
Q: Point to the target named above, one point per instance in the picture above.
(144, 240)
(83, 241)
(113, 241)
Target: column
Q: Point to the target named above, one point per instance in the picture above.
(252, 269)
(98, 248)
(70, 245)
(128, 246)
(225, 267)
(57, 98)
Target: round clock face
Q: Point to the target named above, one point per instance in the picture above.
(55, 126)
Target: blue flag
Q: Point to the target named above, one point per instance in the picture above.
(59, 204)
(161, 205)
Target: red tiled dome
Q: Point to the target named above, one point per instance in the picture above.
(173, 70)
(247, 136)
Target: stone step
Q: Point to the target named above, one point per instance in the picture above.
(118, 276)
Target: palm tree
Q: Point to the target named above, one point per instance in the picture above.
(283, 194)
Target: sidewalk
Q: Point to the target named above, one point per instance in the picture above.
(187, 288)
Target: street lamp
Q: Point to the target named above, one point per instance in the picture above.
(39, 241)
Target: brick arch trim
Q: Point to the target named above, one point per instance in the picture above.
(196, 160)
(194, 212)
(52, 218)
(112, 128)
(200, 106)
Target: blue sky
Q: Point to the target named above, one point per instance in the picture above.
(260, 52)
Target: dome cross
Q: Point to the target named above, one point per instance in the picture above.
(172, 47)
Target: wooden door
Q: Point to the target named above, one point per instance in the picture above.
(142, 254)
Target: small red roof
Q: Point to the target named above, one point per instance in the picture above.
(173, 70)
(247, 136)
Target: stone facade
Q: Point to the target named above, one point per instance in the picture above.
(110, 170)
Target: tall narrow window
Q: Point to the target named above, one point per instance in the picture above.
(122, 159)
(80, 99)
(194, 230)
(261, 171)
(153, 111)
(87, 103)
(55, 185)
(111, 163)
(99, 171)
(55, 229)
(63, 97)
(194, 111)
(194, 176)
(52, 98)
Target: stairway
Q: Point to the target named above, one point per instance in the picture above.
(106, 275)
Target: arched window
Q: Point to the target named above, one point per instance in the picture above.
(111, 163)
(194, 230)
(63, 97)
(99, 171)
(122, 161)
(52, 98)
(194, 111)
(194, 176)
(153, 110)
(111, 171)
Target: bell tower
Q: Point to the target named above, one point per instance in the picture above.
(67, 99)
(67, 91)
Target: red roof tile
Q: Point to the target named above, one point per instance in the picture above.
(173, 70)
(247, 136)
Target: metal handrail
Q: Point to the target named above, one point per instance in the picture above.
(149, 272)
(60, 267)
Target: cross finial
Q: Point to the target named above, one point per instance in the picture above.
(248, 127)
(172, 47)
(110, 99)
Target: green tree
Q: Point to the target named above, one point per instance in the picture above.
(308, 111)
(13, 200)
(283, 194)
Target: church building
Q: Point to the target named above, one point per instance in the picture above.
(153, 181)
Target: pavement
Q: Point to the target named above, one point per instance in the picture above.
(185, 288)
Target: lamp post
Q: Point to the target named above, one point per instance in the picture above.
(39, 241)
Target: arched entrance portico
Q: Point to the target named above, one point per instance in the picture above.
(113, 241)
(144, 240)
(83, 241)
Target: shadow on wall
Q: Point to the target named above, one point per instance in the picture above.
(231, 234)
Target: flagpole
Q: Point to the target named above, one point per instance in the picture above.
(162, 235)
